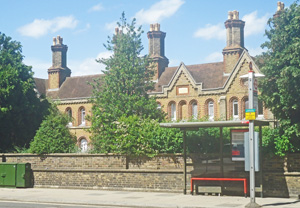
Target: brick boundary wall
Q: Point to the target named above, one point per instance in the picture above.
(281, 176)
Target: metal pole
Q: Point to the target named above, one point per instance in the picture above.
(184, 161)
(261, 162)
(251, 142)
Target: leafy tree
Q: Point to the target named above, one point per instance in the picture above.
(53, 136)
(281, 87)
(134, 135)
(123, 90)
(21, 111)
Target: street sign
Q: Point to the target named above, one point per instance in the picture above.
(250, 114)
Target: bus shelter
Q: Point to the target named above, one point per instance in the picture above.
(194, 126)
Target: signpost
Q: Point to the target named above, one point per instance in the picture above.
(250, 115)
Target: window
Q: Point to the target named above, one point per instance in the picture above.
(83, 145)
(69, 113)
(173, 112)
(235, 109)
(158, 106)
(194, 110)
(82, 116)
(211, 110)
(260, 109)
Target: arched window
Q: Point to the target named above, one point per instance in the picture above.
(172, 111)
(211, 113)
(182, 110)
(69, 113)
(81, 116)
(158, 106)
(83, 145)
(194, 110)
(235, 109)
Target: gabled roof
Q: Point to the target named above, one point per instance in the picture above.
(210, 75)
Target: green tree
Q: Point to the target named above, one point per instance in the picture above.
(123, 90)
(281, 86)
(21, 111)
(53, 136)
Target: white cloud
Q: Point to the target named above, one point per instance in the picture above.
(211, 32)
(111, 26)
(158, 11)
(89, 65)
(174, 62)
(214, 57)
(39, 67)
(254, 24)
(256, 51)
(87, 27)
(96, 8)
(40, 27)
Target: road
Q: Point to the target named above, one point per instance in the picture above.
(14, 204)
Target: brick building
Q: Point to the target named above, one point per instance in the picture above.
(212, 90)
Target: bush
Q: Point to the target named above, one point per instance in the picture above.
(53, 136)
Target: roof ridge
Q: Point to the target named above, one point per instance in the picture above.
(90, 75)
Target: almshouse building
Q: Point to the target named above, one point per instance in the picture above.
(212, 91)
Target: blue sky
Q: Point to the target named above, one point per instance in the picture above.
(195, 28)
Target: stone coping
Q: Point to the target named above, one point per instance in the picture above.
(112, 170)
(83, 155)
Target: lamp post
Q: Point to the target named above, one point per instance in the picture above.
(252, 93)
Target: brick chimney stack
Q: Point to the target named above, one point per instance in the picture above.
(280, 8)
(157, 49)
(59, 71)
(234, 40)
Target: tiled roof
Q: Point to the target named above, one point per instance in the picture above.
(210, 75)
(41, 85)
(75, 87)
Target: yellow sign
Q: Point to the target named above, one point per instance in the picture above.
(250, 114)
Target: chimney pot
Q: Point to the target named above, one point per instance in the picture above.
(157, 27)
(230, 15)
(54, 41)
(280, 6)
(235, 15)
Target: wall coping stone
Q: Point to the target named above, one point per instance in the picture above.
(83, 155)
(111, 170)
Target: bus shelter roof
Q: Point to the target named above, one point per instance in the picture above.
(209, 124)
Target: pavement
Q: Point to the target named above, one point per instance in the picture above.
(135, 199)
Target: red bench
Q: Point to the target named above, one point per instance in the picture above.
(219, 179)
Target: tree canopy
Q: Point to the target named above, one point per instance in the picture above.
(281, 87)
(123, 91)
(21, 111)
(53, 136)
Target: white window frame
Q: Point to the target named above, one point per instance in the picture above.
(158, 106)
(260, 104)
(211, 110)
(194, 110)
(84, 145)
(173, 112)
(69, 113)
(235, 104)
(82, 114)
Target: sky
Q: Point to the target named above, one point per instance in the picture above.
(195, 31)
